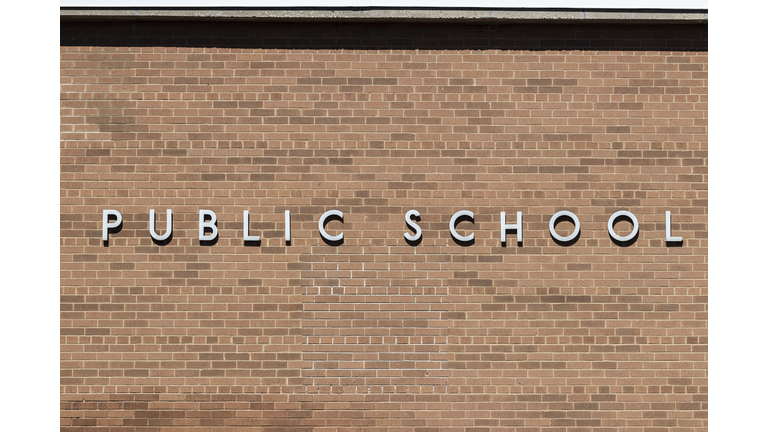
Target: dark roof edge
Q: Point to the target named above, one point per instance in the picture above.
(378, 14)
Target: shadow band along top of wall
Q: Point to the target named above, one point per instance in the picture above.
(208, 232)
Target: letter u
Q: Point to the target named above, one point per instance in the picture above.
(168, 225)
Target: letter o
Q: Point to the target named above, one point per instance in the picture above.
(635, 226)
(572, 217)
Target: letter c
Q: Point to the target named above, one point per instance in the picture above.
(321, 225)
(456, 216)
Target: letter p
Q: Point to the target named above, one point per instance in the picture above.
(106, 225)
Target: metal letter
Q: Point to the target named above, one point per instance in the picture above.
(287, 226)
(210, 224)
(321, 225)
(635, 226)
(574, 219)
(453, 225)
(105, 225)
(246, 237)
(168, 225)
(669, 229)
(412, 225)
(518, 227)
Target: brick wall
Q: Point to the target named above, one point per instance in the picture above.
(375, 333)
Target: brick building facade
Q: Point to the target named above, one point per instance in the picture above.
(374, 119)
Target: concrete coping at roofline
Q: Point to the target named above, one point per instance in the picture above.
(376, 14)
